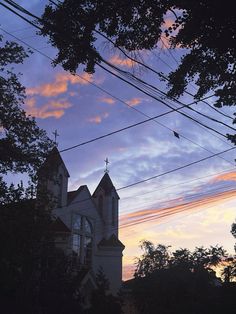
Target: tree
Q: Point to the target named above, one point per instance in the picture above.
(102, 301)
(35, 276)
(23, 145)
(184, 283)
(205, 28)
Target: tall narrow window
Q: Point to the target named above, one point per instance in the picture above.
(100, 204)
(60, 189)
(113, 212)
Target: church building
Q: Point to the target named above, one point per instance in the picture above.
(85, 224)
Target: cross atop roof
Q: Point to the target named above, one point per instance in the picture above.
(106, 162)
(55, 133)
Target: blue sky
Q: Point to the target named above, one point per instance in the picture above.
(81, 111)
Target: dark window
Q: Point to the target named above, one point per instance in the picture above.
(60, 189)
(100, 204)
(113, 212)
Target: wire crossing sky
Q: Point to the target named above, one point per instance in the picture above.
(169, 158)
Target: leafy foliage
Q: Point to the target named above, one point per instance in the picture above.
(23, 145)
(35, 276)
(159, 257)
(180, 282)
(205, 29)
(102, 301)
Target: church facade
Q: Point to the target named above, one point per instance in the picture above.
(85, 224)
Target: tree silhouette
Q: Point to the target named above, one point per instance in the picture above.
(206, 29)
(23, 145)
(185, 283)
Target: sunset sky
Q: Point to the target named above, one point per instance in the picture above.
(189, 207)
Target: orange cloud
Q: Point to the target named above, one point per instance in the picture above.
(134, 101)
(98, 119)
(142, 216)
(55, 109)
(168, 22)
(107, 100)
(60, 85)
(116, 60)
(229, 176)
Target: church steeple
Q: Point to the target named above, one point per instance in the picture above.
(106, 199)
(53, 177)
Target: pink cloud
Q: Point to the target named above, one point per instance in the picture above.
(134, 101)
(107, 100)
(116, 60)
(55, 109)
(158, 214)
(229, 176)
(60, 84)
(98, 119)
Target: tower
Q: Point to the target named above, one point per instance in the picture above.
(53, 178)
(110, 248)
(107, 201)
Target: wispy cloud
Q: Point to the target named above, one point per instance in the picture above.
(116, 60)
(149, 215)
(229, 176)
(107, 100)
(59, 85)
(134, 101)
(53, 108)
(98, 119)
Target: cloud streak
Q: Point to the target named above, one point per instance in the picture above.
(59, 85)
(99, 118)
(53, 108)
(116, 60)
(107, 100)
(148, 215)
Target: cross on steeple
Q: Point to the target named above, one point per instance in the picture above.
(55, 137)
(106, 162)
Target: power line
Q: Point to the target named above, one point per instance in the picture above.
(36, 17)
(178, 184)
(114, 132)
(191, 118)
(160, 100)
(161, 75)
(175, 169)
(22, 17)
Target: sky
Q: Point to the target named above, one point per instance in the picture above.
(189, 207)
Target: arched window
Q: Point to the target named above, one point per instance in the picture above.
(82, 240)
(113, 212)
(100, 204)
(60, 190)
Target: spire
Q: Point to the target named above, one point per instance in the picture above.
(53, 161)
(106, 185)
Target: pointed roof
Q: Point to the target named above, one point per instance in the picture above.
(113, 241)
(106, 184)
(53, 161)
(71, 195)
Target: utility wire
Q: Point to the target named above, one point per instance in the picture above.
(193, 119)
(135, 78)
(161, 75)
(22, 17)
(178, 184)
(117, 131)
(175, 169)
(160, 100)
